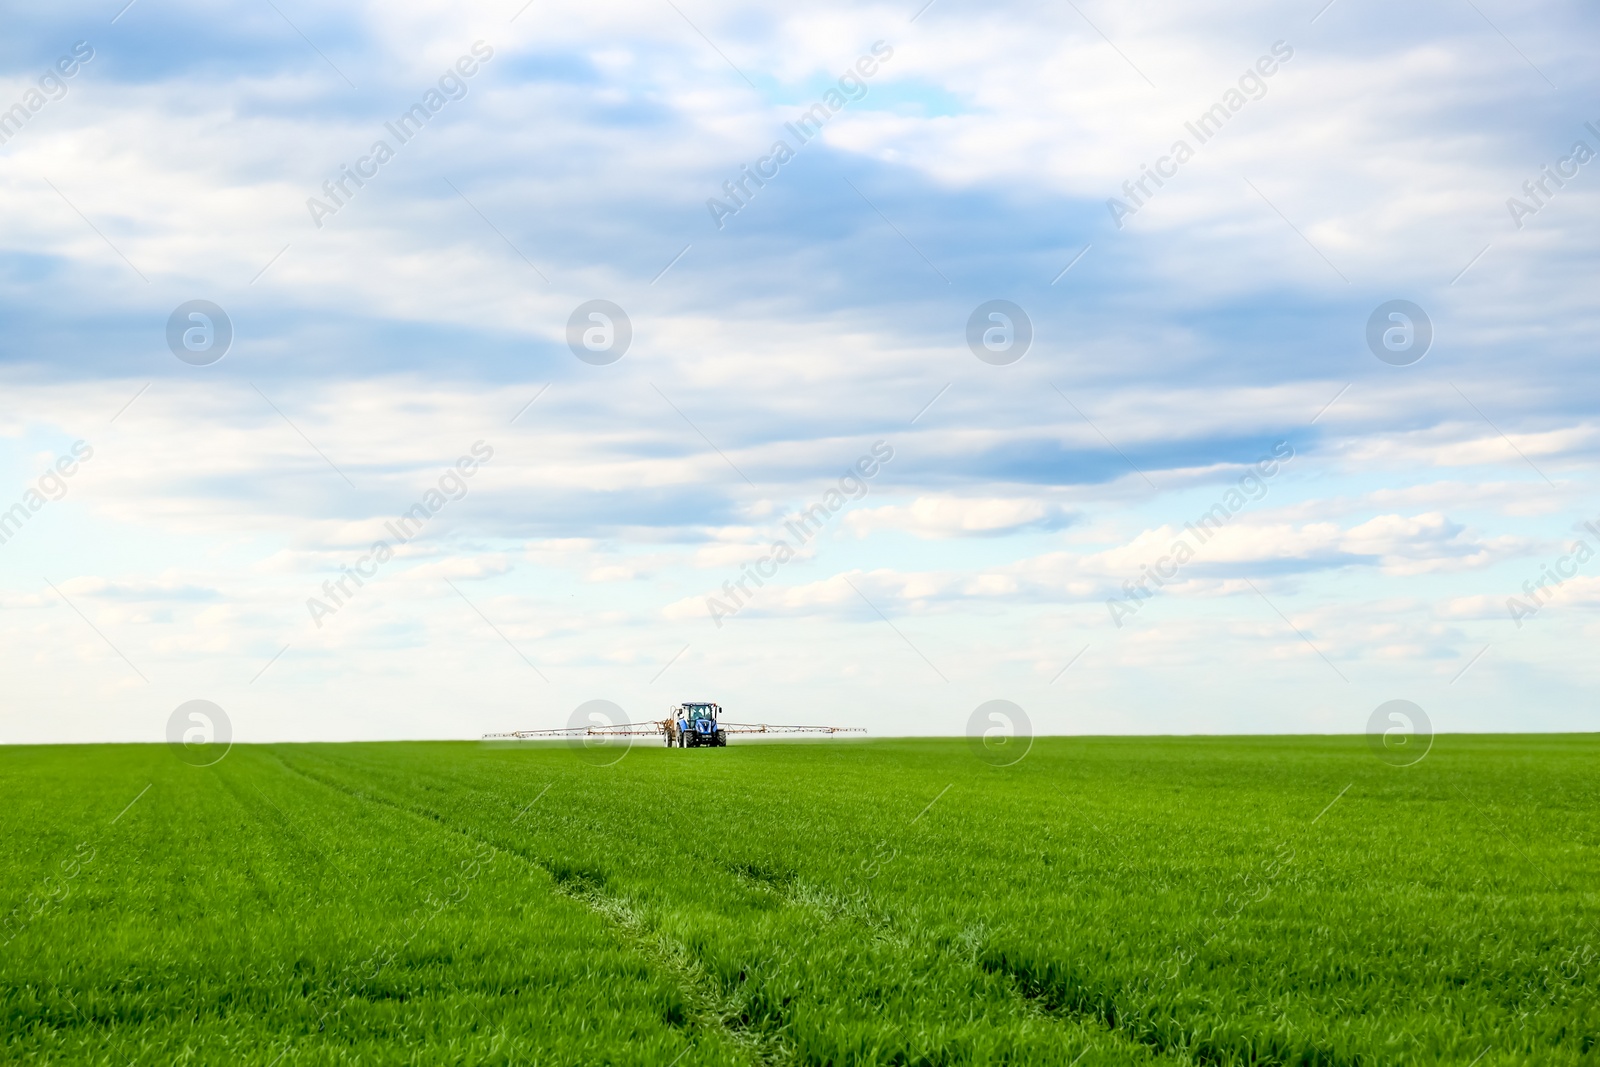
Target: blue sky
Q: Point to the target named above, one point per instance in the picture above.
(1226, 316)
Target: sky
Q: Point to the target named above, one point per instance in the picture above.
(1300, 425)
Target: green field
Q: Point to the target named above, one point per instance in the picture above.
(1104, 901)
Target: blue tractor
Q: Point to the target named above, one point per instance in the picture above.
(694, 725)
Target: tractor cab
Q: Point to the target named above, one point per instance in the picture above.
(696, 726)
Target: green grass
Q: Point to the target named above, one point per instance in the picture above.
(1104, 901)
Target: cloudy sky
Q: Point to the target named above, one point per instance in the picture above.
(1196, 344)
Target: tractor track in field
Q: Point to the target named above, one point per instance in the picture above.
(712, 1009)
(830, 905)
(861, 910)
(1165, 1036)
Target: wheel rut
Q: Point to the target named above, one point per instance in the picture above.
(714, 1011)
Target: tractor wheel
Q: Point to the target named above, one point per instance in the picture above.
(722, 739)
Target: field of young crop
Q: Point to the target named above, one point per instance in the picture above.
(1103, 901)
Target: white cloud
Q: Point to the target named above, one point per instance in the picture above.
(939, 517)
